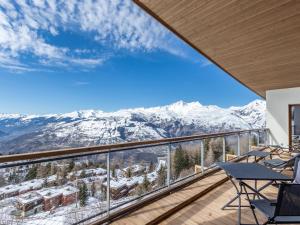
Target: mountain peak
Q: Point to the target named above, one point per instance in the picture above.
(95, 127)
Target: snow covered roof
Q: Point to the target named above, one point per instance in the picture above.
(67, 190)
(50, 192)
(98, 171)
(53, 192)
(28, 197)
(135, 168)
(129, 182)
(9, 189)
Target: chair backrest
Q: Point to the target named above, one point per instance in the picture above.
(297, 170)
(288, 200)
(291, 162)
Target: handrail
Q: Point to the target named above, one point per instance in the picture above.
(171, 183)
(115, 147)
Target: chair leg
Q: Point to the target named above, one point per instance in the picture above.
(255, 217)
(252, 207)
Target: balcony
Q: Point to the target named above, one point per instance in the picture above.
(72, 186)
(176, 180)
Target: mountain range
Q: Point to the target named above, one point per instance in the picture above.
(24, 133)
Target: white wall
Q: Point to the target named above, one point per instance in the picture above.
(277, 113)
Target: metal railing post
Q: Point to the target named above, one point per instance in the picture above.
(108, 182)
(249, 141)
(169, 166)
(268, 135)
(202, 155)
(224, 149)
(239, 145)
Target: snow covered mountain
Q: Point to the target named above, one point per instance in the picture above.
(20, 133)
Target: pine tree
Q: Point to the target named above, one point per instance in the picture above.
(151, 167)
(93, 189)
(129, 172)
(113, 171)
(13, 177)
(197, 158)
(146, 183)
(83, 174)
(53, 169)
(71, 166)
(162, 176)
(63, 176)
(179, 161)
(83, 194)
(45, 183)
(32, 173)
(186, 161)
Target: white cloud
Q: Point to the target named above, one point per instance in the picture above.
(116, 24)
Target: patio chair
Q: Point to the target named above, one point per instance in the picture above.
(279, 150)
(280, 164)
(286, 210)
(297, 171)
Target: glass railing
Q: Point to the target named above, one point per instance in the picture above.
(77, 186)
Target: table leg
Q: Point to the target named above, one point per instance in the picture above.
(240, 203)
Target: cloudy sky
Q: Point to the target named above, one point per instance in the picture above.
(59, 56)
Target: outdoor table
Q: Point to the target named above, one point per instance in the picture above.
(257, 154)
(242, 172)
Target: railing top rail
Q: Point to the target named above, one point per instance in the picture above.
(114, 147)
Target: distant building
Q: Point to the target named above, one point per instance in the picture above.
(29, 203)
(9, 191)
(69, 195)
(136, 170)
(52, 198)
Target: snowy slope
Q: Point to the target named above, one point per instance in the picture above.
(20, 133)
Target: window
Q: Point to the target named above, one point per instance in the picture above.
(294, 111)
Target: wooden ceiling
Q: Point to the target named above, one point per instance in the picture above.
(255, 41)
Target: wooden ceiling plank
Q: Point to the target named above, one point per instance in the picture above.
(257, 42)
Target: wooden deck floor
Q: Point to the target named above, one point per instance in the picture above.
(207, 210)
(204, 210)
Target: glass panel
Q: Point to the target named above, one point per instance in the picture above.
(295, 124)
(69, 191)
(213, 151)
(185, 160)
(58, 192)
(231, 148)
(254, 139)
(262, 137)
(244, 143)
(136, 173)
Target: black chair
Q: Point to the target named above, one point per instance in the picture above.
(278, 150)
(296, 174)
(286, 210)
(280, 164)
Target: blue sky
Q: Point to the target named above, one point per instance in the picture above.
(61, 56)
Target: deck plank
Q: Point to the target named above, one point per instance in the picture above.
(205, 210)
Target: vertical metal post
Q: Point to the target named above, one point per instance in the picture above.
(108, 182)
(239, 145)
(267, 139)
(224, 149)
(202, 155)
(257, 138)
(249, 141)
(169, 166)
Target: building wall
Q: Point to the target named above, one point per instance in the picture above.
(277, 113)
(50, 203)
(69, 199)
